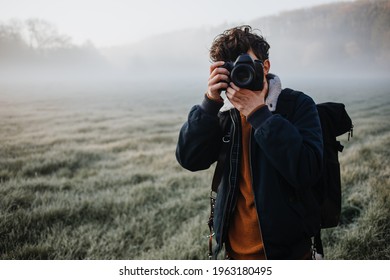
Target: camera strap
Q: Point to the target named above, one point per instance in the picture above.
(218, 173)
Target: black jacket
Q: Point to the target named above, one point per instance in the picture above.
(286, 160)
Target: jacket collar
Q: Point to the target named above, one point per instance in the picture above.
(275, 88)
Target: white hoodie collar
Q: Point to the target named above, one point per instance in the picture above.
(275, 88)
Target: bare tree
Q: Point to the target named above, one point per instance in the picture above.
(42, 35)
(12, 44)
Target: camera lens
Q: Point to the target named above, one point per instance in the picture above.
(242, 75)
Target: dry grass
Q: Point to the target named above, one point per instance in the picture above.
(95, 177)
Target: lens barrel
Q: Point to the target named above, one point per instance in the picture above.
(242, 75)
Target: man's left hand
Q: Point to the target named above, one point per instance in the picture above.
(245, 100)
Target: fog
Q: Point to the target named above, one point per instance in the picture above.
(335, 43)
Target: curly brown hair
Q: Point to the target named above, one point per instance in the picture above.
(236, 41)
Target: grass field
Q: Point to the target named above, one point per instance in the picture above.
(93, 176)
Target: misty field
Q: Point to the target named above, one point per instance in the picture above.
(94, 176)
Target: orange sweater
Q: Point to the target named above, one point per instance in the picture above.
(245, 241)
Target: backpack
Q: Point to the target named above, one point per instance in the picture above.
(335, 121)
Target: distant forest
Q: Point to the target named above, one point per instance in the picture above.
(349, 38)
(34, 48)
(351, 34)
(346, 39)
(38, 39)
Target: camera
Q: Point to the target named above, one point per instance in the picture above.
(246, 72)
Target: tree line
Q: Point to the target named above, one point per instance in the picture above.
(36, 47)
(348, 34)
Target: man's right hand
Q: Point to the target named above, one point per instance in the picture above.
(218, 80)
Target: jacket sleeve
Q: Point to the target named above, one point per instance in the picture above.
(200, 137)
(293, 147)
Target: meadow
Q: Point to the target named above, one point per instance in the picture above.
(92, 174)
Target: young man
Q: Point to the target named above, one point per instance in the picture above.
(265, 207)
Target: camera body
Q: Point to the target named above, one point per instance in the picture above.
(246, 72)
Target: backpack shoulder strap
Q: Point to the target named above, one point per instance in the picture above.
(286, 102)
(222, 155)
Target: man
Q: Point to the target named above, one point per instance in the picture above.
(264, 207)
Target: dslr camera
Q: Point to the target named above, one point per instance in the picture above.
(246, 72)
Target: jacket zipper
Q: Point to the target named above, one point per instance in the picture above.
(230, 174)
(253, 192)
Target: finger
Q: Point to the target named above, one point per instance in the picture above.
(233, 94)
(216, 65)
(218, 78)
(218, 87)
(230, 90)
(233, 99)
(230, 96)
(219, 70)
(236, 88)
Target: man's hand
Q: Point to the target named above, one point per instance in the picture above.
(245, 100)
(218, 80)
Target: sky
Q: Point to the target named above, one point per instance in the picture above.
(119, 22)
